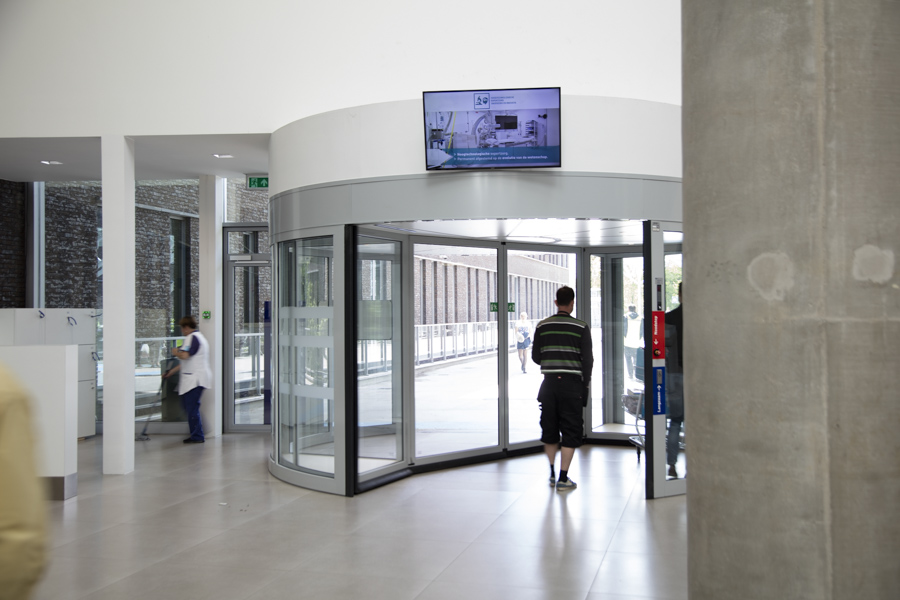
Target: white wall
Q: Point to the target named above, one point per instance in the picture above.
(166, 67)
(50, 375)
(599, 135)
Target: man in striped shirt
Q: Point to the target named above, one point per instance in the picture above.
(562, 347)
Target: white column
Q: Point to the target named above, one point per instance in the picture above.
(34, 290)
(212, 215)
(118, 304)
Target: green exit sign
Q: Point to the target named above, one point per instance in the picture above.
(260, 183)
(510, 307)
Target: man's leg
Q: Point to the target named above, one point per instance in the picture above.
(565, 459)
(550, 450)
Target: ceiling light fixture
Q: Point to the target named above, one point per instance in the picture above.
(50, 162)
(223, 156)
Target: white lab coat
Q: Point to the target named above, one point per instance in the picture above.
(195, 371)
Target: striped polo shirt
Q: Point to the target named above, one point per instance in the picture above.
(562, 346)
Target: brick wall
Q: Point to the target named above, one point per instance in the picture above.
(72, 217)
(13, 241)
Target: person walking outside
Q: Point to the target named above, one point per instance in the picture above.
(634, 338)
(563, 348)
(523, 338)
(195, 375)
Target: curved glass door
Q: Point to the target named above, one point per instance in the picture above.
(456, 341)
(306, 355)
(379, 389)
(533, 276)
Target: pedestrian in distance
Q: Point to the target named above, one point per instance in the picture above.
(523, 339)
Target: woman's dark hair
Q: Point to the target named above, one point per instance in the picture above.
(188, 322)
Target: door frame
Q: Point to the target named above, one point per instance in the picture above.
(231, 262)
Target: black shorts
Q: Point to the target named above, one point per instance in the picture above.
(562, 411)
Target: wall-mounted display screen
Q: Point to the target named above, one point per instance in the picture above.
(492, 129)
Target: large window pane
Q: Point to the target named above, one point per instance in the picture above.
(456, 337)
(252, 289)
(620, 307)
(305, 355)
(534, 278)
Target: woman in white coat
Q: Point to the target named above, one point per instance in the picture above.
(195, 375)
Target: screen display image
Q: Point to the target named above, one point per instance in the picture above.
(492, 129)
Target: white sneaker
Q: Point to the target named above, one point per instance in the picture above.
(565, 486)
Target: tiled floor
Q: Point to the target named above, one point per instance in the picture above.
(208, 521)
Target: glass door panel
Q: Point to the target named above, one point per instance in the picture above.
(306, 354)
(378, 361)
(252, 285)
(456, 341)
(597, 413)
(675, 459)
(617, 300)
(533, 278)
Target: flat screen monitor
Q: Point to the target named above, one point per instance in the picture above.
(492, 129)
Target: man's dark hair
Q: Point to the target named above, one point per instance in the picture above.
(564, 296)
(188, 322)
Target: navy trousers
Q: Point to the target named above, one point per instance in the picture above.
(191, 403)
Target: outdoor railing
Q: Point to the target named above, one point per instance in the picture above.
(436, 343)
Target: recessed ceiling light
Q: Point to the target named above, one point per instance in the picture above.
(50, 162)
(223, 156)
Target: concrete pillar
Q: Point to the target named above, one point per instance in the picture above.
(117, 164)
(792, 298)
(212, 215)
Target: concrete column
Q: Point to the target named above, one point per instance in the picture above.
(117, 156)
(212, 215)
(792, 298)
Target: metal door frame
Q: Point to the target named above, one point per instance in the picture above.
(231, 262)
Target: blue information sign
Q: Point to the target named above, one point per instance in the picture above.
(659, 390)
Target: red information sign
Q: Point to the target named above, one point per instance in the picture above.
(659, 334)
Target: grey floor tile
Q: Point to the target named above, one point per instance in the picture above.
(209, 521)
(460, 500)
(653, 575)
(314, 585)
(141, 543)
(546, 567)
(443, 590)
(436, 525)
(74, 577)
(380, 557)
(248, 549)
(550, 530)
(172, 579)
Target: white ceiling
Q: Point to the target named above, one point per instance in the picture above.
(189, 156)
(156, 157)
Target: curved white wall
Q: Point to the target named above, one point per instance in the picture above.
(172, 67)
(366, 165)
(599, 135)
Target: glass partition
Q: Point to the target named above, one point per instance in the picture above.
(378, 354)
(675, 459)
(306, 355)
(456, 341)
(251, 290)
(533, 278)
